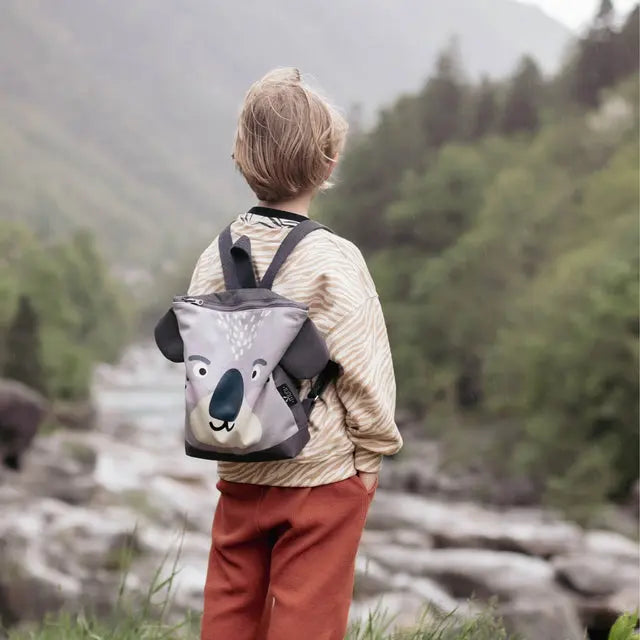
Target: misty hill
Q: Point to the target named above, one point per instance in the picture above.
(119, 115)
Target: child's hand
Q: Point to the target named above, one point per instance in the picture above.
(368, 479)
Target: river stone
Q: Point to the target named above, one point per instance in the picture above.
(371, 578)
(60, 466)
(601, 612)
(467, 525)
(595, 575)
(399, 609)
(78, 416)
(471, 572)
(432, 594)
(552, 618)
(29, 585)
(402, 537)
(610, 543)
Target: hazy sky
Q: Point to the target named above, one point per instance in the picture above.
(577, 13)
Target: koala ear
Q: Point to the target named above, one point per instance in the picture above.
(307, 355)
(168, 337)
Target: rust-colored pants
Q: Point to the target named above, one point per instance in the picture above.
(282, 561)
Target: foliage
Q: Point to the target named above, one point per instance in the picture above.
(604, 55)
(523, 97)
(624, 627)
(506, 257)
(80, 311)
(23, 361)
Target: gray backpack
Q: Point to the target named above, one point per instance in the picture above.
(245, 351)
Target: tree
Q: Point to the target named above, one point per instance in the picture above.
(24, 358)
(628, 40)
(596, 63)
(484, 110)
(442, 98)
(521, 106)
(606, 11)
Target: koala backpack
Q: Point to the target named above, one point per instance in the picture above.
(245, 350)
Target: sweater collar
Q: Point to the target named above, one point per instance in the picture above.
(277, 213)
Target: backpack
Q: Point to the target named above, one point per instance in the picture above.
(245, 351)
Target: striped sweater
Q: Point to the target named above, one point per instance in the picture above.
(352, 426)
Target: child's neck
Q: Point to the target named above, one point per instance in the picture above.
(300, 204)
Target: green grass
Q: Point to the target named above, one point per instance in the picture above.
(431, 626)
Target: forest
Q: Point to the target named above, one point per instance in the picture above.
(500, 222)
(62, 311)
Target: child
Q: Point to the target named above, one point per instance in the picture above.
(285, 533)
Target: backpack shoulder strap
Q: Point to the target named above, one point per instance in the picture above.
(301, 230)
(237, 267)
(225, 242)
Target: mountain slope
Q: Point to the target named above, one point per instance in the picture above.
(119, 116)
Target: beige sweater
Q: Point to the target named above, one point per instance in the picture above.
(352, 426)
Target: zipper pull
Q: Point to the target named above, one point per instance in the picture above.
(197, 301)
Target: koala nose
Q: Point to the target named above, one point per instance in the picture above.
(227, 398)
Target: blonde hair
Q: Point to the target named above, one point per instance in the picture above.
(287, 137)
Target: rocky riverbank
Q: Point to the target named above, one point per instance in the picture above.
(85, 496)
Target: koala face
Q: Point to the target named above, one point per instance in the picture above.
(229, 358)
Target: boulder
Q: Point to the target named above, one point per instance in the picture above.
(61, 466)
(433, 595)
(55, 556)
(595, 574)
(397, 609)
(467, 525)
(553, 617)
(21, 412)
(371, 578)
(600, 613)
(78, 416)
(612, 544)
(466, 573)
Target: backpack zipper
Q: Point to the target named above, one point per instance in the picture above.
(241, 307)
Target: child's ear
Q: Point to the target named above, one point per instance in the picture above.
(168, 338)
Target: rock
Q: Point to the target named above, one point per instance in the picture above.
(615, 545)
(21, 412)
(595, 575)
(413, 476)
(467, 525)
(432, 594)
(29, 585)
(78, 416)
(552, 618)
(411, 538)
(401, 608)
(61, 466)
(600, 613)
(54, 555)
(371, 578)
(471, 572)
(402, 537)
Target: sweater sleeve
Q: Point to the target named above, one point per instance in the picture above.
(366, 388)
